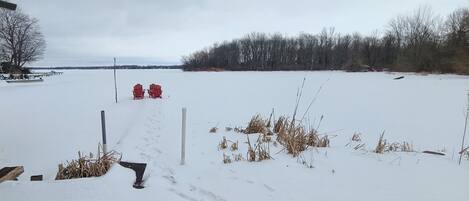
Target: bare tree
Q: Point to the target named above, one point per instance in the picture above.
(21, 40)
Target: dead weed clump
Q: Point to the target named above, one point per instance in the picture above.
(466, 153)
(213, 130)
(402, 147)
(256, 125)
(356, 137)
(296, 138)
(223, 143)
(381, 146)
(356, 142)
(384, 146)
(280, 124)
(238, 130)
(234, 146)
(87, 166)
(293, 136)
(238, 157)
(259, 152)
(226, 159)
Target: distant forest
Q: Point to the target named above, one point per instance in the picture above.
(107, 67)
(419, 42)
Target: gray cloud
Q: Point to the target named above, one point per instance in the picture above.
(91, 32)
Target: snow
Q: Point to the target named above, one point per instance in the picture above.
(44, 124)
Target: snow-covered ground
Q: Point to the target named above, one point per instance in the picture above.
(44, 124)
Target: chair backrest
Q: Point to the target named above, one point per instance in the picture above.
(153, 86)
(138, 87)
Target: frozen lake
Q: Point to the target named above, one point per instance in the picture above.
(44, 124)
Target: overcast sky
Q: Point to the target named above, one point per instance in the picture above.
(145, 32)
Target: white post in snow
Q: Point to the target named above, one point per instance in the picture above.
(183, 136)
(115, 82)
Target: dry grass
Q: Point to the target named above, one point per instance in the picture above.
(256, 125)
(213, 130)
(356, 137)
(466, 153)
(356, 142)
(301, 159)
(280, 124)
(402, 147)
(259, 152)
(383, 146)
(238, 157)
(223, 143)
(87, 166)
(234, 146)
(238, 130)
(226, 159)
(296, 138)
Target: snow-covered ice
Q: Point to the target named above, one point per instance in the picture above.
(44, 124)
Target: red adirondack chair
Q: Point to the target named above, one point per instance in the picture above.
(138, 91)
(155, 91)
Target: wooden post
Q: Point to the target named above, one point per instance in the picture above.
(465, 129)
(10, 173)
(115, 82)
(103, 130)
(183, 136)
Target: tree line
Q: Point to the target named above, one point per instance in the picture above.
(421, 41)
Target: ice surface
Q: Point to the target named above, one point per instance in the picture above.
(44, 124)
